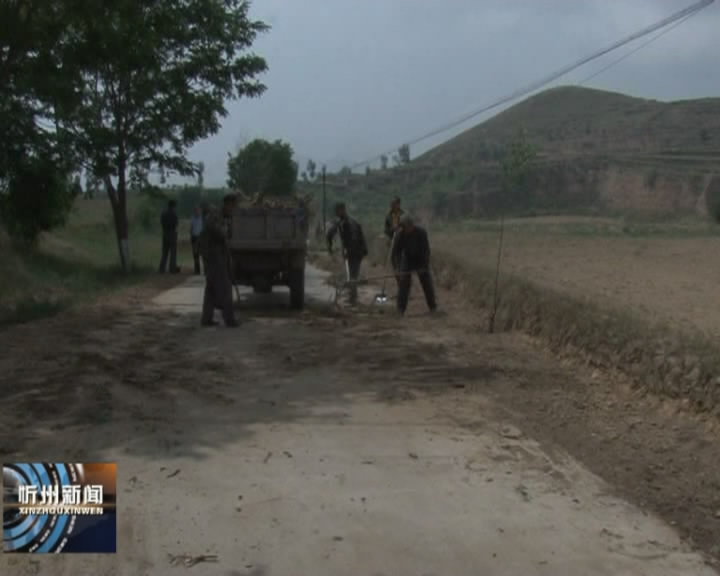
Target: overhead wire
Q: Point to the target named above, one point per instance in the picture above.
(676, 18)
(635, 50)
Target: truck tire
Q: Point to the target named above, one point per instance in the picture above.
(297, 289)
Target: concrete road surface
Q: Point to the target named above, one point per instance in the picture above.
(316, 444)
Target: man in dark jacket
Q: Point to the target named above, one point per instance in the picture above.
(214, 249)
(411, 250)
(169, 222)
(353, 242)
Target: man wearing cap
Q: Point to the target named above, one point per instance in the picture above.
(353, 242)
(214, 249)
(411, 250)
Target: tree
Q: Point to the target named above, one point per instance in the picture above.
(138, 179)
(311, 168)
(367, 171)
(263, 167)
(77, 189)
(92, 186)
(515, 167)
(36, 196)
(403, 155)
(383, 162)
(152, 78)
(201, 175)
(35, 167)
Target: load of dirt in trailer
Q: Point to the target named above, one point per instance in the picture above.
(261, 201)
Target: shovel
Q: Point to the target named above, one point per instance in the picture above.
(382, 297)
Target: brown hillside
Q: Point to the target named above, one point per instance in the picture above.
(576, 120)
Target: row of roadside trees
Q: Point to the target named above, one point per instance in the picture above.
(113, 88)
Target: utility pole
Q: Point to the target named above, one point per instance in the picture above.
(324, 205)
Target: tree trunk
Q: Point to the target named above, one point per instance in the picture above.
(118, 202)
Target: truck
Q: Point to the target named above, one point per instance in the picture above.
(268, 246)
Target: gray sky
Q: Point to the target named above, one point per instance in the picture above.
(350, 79)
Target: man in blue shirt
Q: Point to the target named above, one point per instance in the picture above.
(196, 227)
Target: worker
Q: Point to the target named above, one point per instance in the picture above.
(354, 245)
(411, 250)
(392, 225)
(195, 230)
(214, 248)
(169, 223)
(392, 220)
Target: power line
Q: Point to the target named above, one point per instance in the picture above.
(677, 17)
(635, 50)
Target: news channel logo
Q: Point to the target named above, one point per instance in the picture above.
(59, 508)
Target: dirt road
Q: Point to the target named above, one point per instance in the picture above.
(326, 443)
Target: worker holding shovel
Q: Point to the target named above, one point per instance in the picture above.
(354, 246)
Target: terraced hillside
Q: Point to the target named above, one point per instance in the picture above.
(597, 152)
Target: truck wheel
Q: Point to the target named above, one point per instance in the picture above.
(297, 289)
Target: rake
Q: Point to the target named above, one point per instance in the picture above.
(340, 288)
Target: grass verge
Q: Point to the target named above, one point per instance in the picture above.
(76, 263)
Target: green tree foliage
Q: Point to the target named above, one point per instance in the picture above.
(151, 79)
(92, 186)
(403, 155)
(263, 167)
(516, 170)
(77, 189)
(383, 162)
(311, 169)
(138, 180)
(32, 87)
(37, 195)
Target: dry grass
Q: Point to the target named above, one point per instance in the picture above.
(666, 274)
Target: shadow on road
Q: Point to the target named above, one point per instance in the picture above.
(157, 384)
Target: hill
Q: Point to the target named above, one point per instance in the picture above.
(598, 152)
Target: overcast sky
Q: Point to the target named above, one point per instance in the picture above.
(350, 79)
